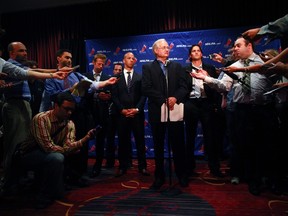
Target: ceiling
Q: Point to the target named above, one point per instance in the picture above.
(8, 6)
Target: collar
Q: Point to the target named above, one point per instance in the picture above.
(125, 71)
(96, 73)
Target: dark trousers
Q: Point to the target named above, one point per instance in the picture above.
(175, 138)
(127, 127)
(212, 121)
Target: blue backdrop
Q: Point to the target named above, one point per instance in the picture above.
(211, 41)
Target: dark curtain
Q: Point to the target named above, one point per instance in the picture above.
(45, 31)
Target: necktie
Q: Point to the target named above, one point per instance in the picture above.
(163, 67)
(246, 79)
(97, 77)
(129, 81)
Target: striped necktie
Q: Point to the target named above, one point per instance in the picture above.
(129, 81)
(246, 79)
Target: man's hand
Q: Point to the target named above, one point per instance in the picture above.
(60, 75)
(278, 68)
(251, 34)
(230, 69)
(3, 84)
(217, 57)
(200, 74)
(129, 113)
(171, 102)
(66, 69)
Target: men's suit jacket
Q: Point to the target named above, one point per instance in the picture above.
(155, 88)
(124, 100)
(99, 108)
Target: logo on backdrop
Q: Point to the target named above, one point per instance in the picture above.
(143, 49)
(228, 42)
(92, 52)
(117, 51)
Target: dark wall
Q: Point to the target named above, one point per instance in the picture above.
(43, 31)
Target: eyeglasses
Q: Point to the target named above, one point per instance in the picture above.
(164, 47)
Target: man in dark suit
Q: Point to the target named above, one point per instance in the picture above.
(154, 86)
(99, 104)
(204, 105)
(129, 102)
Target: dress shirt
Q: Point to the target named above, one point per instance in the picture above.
(97, 76)
(198, 87)
(43, 126)
(20, 90)
(13, 70)
(259, 84)
(126, 75)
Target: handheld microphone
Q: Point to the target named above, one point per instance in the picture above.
(167, 63)
(231, 75)
(117, 75)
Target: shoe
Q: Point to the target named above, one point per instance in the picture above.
(157, 184)
(120, 173)
(217, 173)
(235, 180)
(254, 189)
(78, 183)
(184, 182)
(95, 172)
(144, 172)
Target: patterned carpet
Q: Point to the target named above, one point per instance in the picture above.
(130, 195)
(147, 202)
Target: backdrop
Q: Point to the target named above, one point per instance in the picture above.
(215, 40)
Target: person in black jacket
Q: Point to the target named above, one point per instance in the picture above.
(204, 105)
(163, 82)
(129, 102)
(99, 107)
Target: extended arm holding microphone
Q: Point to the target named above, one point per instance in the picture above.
(220, 85)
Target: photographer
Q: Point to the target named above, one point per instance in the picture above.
(51, 141)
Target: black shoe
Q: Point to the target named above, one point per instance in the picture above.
(184, 182)
(95, 172)
(120, 173)
(157, 184)
(217, 173)
(144, 172)
(78, 183)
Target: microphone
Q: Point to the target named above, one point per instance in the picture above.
(193, 67)
(166, 63)
(231, 75)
